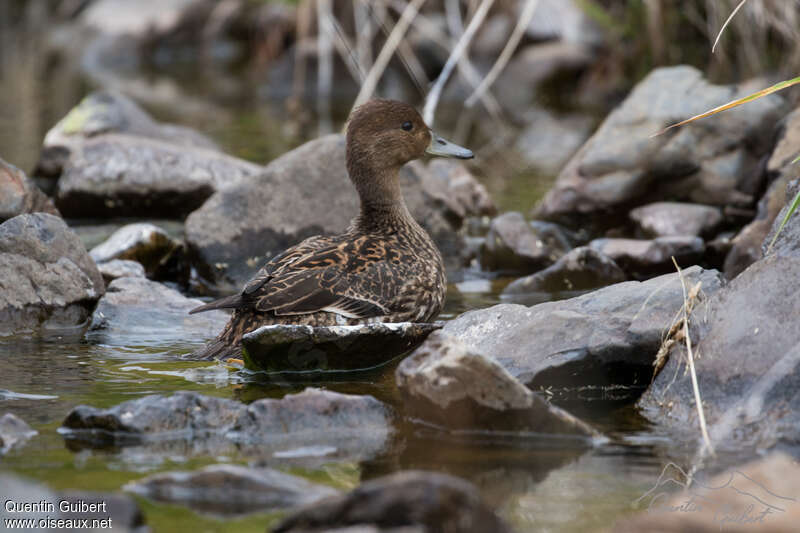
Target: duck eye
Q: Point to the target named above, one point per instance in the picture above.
(407, 125)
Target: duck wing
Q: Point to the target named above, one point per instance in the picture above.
(319, 274)
(343, 278)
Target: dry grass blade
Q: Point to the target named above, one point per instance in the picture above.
(690, 357)
(735, 103)
(505, 55)
(455, 56)
(725, 25)
(371, 81)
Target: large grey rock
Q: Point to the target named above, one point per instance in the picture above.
(148, 245)
(514, 245)
(643, 258)
(606, 337)
(670, 219)
(116, 512)
(760, 496)
(410, 499)
(136, 308)
(320, 424)
(307, 192)
(446, 383)
(713, 161)
(322, 350)
(129, 175)
(581, 269)
(105, 112)
(747, 363)
(231, 489)
(18, 195)
(13, 432)
(47, 278)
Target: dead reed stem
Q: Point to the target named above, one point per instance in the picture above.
(690, 358)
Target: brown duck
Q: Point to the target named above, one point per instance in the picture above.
(384, 268)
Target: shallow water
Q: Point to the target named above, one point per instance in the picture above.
(536, 484)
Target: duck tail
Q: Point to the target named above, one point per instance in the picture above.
(229, 302)
(217, 349)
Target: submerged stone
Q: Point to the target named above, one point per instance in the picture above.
(231, 489)
(346, 427)
(313, 350)
(413, 501)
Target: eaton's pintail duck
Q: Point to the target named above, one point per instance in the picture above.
(384, 268)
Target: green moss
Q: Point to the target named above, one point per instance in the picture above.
(76, 120)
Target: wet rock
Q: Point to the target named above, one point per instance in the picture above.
(759, 496)
(581, 269)
(410, 499)
(748, 369)
(150, 246)
(713, 162)
(230, 489)
(548, 141)
(446, 383)
(18, 195)
(307, 192)
(135, 308)
(127, 175)
(120, 513)
(669, 219)
(606, 337)
(47, 279)
(312, 350)
(105, 112)
(533, 65)
(514, 245)
(647, 257)
(120, 268)
(337, 426)
(13, 432)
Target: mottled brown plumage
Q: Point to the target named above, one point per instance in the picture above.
(385, 267)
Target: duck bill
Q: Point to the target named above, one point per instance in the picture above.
(443, 147)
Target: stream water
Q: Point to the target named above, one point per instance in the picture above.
(533, 484)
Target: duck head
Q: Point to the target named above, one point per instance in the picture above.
(384, 135)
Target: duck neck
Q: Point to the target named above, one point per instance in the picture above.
(382, 203)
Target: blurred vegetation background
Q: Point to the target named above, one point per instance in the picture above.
(263, 76)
